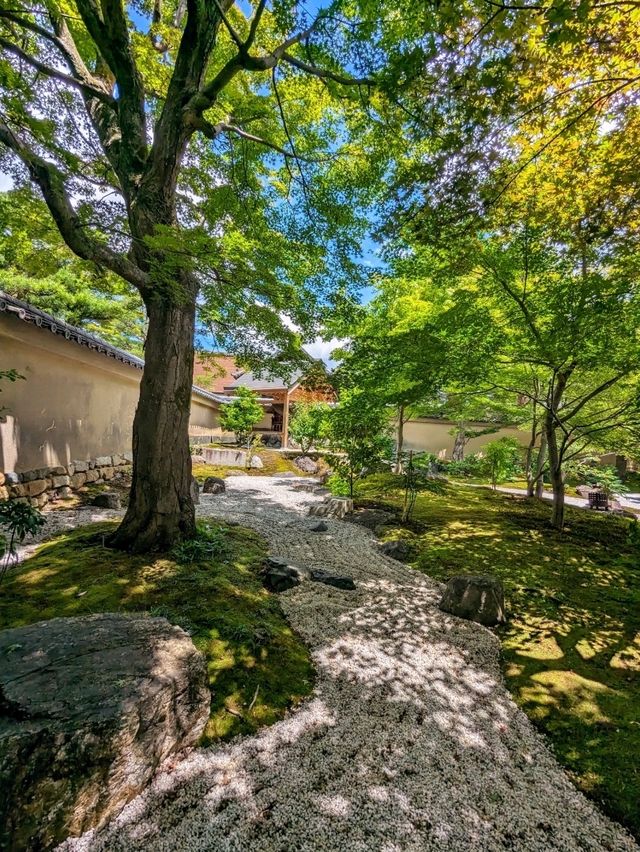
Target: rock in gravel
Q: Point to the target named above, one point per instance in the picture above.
(107, 500)
(329, 579)
(280, 574)
(214, 485)
(89, 708)
(478, 599)
(332, 507)
(319, 527)
(305, 464)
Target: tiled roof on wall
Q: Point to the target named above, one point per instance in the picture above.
(34, 316)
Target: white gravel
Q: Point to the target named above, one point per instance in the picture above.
(410, 742)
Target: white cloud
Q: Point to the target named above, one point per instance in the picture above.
(322, 349)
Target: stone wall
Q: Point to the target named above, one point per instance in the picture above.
(46, 484)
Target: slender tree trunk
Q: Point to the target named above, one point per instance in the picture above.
(528, 461)
(459, 443)
(555, 472)
(542, 458)
(161, 510)
(400, 439)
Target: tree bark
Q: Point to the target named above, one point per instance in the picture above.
(556, 473)
(161, 511)
(459, 443)
(400, 439)
(542, 458)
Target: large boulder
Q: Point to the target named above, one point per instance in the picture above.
(214, 485)
(89, 707)
(305, 464)
(478, 599)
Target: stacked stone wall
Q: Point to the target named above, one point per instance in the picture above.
(60, 482)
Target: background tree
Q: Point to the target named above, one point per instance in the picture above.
(168, 142)
(502, 459)
(241, 415)
(37, 267)
(308, 425)
(359, 429)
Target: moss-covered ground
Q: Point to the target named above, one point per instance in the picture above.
(257, 666)
(571, 648)
(273, 464)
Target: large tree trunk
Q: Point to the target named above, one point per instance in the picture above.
(161, 510)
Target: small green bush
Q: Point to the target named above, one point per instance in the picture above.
(209, 543)
(18, 520)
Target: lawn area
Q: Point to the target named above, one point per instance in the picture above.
(571, 649)
(218, 599)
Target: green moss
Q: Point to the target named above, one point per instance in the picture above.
(274, 463)
(571, 649)
(250, 649)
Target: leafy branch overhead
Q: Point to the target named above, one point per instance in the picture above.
(142, 106)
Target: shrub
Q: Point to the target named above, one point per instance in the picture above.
(359, 430)
(472, 465)
(18, 520)
(209, 543)
(502, 459)
(309, 424)
(241, 415)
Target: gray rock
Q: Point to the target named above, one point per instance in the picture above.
(128, 457)
(319, 527)
(214, 485)
(373, 518)
(90, 707)
(108, 500)
(103, 461)
(397, 548)
(11, 478)
(475, 598)
(329, 579)
(195, 491)
(332, 507)
(80, 466)
(279, 574)
(306, 464)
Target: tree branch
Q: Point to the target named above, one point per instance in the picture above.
(51, 184)
(109, 30)
(88, 90)
(325, 73)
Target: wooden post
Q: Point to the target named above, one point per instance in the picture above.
(285, 420)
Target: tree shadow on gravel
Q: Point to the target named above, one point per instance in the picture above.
(410, 743)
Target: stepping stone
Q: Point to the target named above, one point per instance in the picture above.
(319, 527)
(339, 582)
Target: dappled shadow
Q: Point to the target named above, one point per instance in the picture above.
(410, 743)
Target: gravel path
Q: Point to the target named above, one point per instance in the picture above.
(410, 742)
